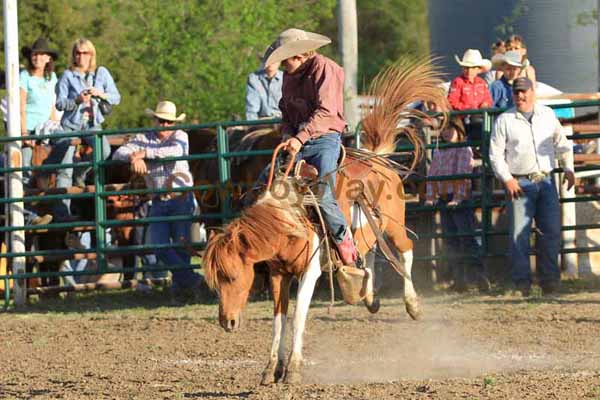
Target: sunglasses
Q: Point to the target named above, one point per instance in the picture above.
(81, 53)
(163, 121)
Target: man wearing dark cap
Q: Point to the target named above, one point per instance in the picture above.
(525, 144)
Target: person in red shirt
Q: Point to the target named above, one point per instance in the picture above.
(312, 105)
(468, 91)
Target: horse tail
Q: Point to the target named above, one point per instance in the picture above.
(393, 90)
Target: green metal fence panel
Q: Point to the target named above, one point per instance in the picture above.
(223, 156)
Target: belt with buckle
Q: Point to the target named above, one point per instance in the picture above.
(534, 177)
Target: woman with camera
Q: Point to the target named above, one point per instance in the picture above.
(86, 93)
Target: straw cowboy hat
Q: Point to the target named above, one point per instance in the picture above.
(165, 110)
(39, 46)
(510, 57)
(293, 42)
(472, 58)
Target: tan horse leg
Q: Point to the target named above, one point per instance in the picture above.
(397, 234)
(275, 369)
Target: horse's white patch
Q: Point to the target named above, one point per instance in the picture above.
(278, 342)
(409, 290)
(306, 288)
(358, 217)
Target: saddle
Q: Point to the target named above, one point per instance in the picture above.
(351, 167)
(355, 282)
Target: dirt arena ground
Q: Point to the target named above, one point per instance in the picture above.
(125, 345)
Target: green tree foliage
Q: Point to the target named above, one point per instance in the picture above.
(198, 53)
(388, 30)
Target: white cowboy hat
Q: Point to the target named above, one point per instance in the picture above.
(293, 42)
(510, 57)
(165, 110)
(472, 58)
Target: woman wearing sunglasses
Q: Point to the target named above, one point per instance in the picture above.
(79, 93)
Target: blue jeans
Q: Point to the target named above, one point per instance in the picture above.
(26, 155)
(460, 220)
(323, 153)
(63, 153)
(173, 233)
(539, 202)
(141, 235)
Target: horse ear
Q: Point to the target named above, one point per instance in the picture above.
(211, 233)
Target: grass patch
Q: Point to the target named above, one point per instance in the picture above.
(489, 381)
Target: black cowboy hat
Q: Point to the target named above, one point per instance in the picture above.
(39, 46)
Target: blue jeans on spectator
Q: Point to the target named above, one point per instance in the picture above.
(85, 238)
(455, 220)
(26, 155)
(539, 202)
(323, 153)
(63, 153)
(173, 233)
(141, 234)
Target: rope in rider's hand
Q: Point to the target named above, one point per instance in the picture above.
(273, 164)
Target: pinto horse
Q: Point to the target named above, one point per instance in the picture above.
(277, 230)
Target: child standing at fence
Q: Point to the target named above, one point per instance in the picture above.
(455, 220)
(470, 92)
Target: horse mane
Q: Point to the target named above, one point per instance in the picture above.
(393, 90)
(258, 227)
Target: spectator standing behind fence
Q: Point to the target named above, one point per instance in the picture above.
(525, 143)
(449, 194)
(516, 43)
(498, 49)
(37, 82)
(468, 91)
(79, 93)
(501, 90)
(263, 90)
(144, 153)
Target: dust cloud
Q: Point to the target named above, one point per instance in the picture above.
(434, 348)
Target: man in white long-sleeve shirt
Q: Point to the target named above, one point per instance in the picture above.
(525, 144)
(144, 153)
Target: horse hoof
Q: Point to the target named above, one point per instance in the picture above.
(279, 372)
(413, 309)
(292, 377)
(267, 378)
(272, 373)
(374, 306)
